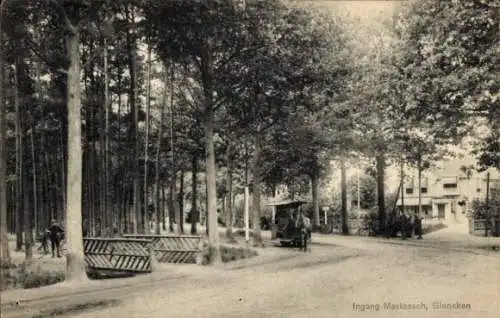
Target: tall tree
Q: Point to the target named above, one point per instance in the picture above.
(4, 245)
(449, 52)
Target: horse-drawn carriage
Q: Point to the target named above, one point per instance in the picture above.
(289, 225)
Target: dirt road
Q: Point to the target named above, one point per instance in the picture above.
(354, 278)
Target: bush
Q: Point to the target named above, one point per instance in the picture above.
(37, 277)
(480, 210)
(29, 277)
(229, 253)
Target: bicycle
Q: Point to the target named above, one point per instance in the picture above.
(44, 248)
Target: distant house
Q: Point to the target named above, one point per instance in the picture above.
(447, 191)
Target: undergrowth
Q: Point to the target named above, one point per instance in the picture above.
(229, 254)
(23, 276)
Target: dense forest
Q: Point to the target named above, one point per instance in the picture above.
(135, 116)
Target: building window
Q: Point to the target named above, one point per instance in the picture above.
(423, 190)
(450, 186)
(409, 190)
(478, 189)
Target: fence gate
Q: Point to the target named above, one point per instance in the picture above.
(173, 248)
(118, 254)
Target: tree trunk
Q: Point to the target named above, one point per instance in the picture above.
(176, 207)
(205, 214)
(163, 216)
(229, 206)
(5, 259)
(181, 202)
(314, 188)
(343, 189)
(171, 205)
(28, 228)
(63, 177)
(173, 212)
(194, 193)
(35, 187)
(107, 167)
(75, 263)
(134, 136)
(419, 171)
(214, 256)
(119, 188)
(158, 206)
(380, 159)
(101, 168)
(146, 144)
(402, 172)
(19, 163)
(256, 191)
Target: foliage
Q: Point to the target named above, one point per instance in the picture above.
(231, 253)
(448, 54)
(367, 187)
(481, 210)
(30, 277)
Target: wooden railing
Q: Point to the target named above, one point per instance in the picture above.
(119, 254)
(477, 226)
(173, 248)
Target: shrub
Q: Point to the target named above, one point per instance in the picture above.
(230, 253)
(29, 277)
(480, 210)
(37, 277)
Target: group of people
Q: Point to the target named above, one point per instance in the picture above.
(407, 225)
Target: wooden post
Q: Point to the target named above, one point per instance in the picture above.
(152, 256)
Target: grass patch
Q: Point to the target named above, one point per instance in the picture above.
(229, 253)
(429, 228)
(26, 277)
(21, 276)
(76, 308)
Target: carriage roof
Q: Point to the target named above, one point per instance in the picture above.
(287, 203)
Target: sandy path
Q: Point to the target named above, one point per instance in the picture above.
(330, 282)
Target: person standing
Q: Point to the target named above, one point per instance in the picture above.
(418, 226)
(55, 235)
(404, 226)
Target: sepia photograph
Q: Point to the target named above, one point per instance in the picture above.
(249, 158)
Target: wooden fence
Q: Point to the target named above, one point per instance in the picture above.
(476, 226)
(173, 248)
(119, 254)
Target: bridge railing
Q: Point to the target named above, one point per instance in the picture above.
(119, 254)
(174, 248)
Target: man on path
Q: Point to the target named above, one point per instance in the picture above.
(418, 226)
(55, 235)
(304, 225)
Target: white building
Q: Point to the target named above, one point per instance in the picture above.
(447, 191)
